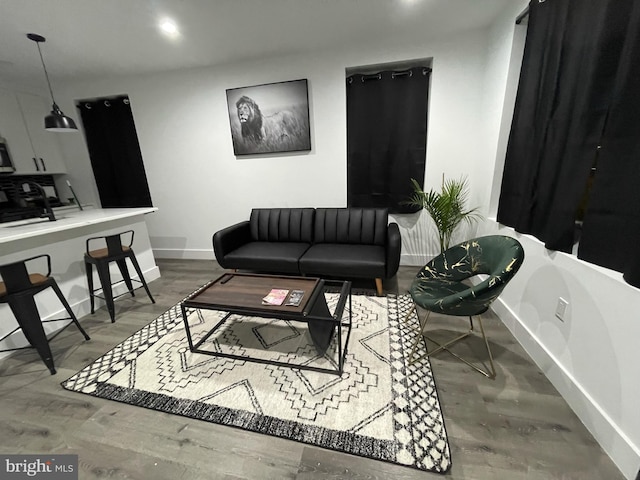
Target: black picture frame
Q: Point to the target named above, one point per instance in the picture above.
(270, 118)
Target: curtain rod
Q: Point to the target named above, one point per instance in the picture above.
(394, 74)
(522, 16)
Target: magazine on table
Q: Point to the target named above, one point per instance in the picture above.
(295, 298)
(275, 297)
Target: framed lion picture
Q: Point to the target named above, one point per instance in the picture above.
(270, 118)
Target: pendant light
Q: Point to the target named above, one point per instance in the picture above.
(56, 121)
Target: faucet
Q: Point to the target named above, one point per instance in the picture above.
(47, 206)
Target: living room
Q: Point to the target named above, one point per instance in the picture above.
(199, 186)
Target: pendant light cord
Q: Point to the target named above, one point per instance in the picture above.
(46, 74)
(56, 121)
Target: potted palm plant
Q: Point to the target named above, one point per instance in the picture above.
(446, 207)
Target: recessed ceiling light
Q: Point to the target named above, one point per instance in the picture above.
(169, 28)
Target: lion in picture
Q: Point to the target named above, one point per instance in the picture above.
(278, 129)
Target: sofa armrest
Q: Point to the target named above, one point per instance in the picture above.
(230, 238)
(393, 247)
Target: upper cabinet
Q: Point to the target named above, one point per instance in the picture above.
(32, 148)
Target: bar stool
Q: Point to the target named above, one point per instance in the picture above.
(18, 289)
(115, 251)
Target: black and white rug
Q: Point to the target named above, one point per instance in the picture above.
(380, 407)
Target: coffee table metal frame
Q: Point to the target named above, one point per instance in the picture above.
(308, 313)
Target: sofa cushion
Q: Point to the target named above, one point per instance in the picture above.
(334, 259)
(282, 224)
(276, 257)
(360, 226)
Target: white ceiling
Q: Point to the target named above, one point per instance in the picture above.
(120, 37)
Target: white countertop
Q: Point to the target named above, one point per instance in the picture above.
(65, 220)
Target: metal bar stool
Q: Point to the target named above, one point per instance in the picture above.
(115, 251)
(18, 289)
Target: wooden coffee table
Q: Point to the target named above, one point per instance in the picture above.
(242, 294)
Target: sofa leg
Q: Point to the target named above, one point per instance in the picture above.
(379, 286)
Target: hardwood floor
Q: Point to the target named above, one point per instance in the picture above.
(514, 427)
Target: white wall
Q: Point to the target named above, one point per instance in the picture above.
(592, 356)
(506, 47)
(200, 187)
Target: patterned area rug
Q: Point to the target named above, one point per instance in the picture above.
(380, 408)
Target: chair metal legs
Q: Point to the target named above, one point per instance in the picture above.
(25, 311)
(413, 308)
(104, 275)
(124, 271)
(136, 266)
(107, 288)
(67, 307)
(491, 373)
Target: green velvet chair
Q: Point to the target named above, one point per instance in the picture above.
(442, 287)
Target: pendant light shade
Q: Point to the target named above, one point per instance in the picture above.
(56, 121)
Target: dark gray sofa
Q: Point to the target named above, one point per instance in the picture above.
(323, 242)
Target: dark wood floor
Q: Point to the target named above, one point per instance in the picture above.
(514, 427)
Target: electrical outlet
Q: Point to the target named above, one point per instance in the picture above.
(561, 308)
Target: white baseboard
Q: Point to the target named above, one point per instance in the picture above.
(413, 260)
(609, 435)
(192, 254)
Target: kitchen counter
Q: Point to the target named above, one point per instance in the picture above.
(65, 241)
(65, 220)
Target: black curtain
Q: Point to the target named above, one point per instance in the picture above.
(611, 230)
(115, 152)
(571, 58)
(386, 137)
